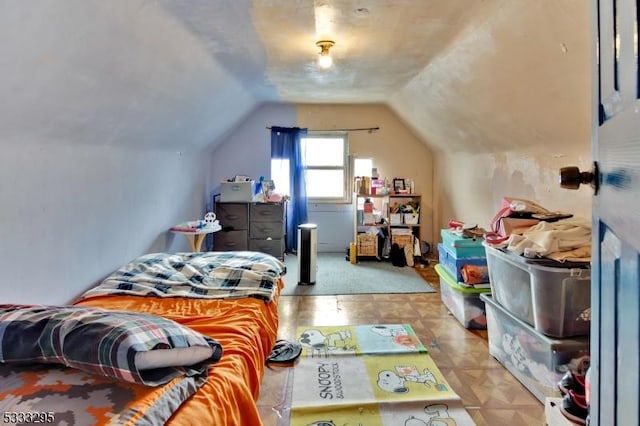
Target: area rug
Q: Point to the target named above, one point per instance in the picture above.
(335, 275)
(370, 375)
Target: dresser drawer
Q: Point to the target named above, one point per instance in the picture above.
(273, 247)
(266, 212)
(232, 215)
(230, 240)
(263, 230)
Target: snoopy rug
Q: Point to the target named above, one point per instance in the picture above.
(370, 375)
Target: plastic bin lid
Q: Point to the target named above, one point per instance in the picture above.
(452, 282)
(459, 241)
(577, 269)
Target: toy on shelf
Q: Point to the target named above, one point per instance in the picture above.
(208, 224)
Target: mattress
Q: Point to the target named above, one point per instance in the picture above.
(230, 297)
(246, 328)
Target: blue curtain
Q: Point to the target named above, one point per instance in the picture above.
(285, 144)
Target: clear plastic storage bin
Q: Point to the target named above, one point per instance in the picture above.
(464, 303)
(537, 361)
(556, 301)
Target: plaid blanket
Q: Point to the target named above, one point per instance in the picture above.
(99, 341)
(208, 275)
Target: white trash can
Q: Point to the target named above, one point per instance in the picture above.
(307, 253)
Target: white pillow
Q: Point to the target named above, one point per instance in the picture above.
(105, 342)
(161, 358)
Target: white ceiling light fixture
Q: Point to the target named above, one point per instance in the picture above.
(325, 61)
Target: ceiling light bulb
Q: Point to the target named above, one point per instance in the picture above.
(325, 61)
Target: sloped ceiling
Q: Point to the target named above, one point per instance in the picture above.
(465, 75)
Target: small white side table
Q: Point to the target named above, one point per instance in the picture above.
(196, 237)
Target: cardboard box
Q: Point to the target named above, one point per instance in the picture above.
(514, 225)
(237, 191)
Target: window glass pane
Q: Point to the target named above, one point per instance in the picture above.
(325, 183)
(326, 168)
(280, 175)
(323, 151)
(362, 166)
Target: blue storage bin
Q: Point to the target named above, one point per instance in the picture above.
(453, 264)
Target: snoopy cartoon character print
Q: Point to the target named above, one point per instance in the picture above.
(399, 379)
(392, 338)
(407, 377)
(327, 342)
(435, 415)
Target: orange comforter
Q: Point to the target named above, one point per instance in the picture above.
(247, 330)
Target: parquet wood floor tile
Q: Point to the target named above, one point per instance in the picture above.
(491, 395)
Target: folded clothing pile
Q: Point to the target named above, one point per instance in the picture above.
(564, 240)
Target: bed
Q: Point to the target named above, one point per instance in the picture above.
(229, 299)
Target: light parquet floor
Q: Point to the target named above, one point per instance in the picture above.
(491, 395)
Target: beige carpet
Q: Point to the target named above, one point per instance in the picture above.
(335, 275)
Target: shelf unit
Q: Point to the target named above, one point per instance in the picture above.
(380, 218)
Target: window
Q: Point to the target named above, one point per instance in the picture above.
(362, 166)
(280, 175)
(327, 168)
(326, 162)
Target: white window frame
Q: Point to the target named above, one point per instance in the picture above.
(346, 167)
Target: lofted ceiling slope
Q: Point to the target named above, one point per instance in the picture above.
(465, 75)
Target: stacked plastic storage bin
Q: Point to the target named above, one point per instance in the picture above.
(460, 294)
(538, 318)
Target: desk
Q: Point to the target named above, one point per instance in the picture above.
(196, 237)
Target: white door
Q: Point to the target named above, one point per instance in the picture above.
(615, 332)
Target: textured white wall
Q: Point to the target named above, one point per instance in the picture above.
(104, 108)
(504, 107)
(121, 72)
(516, 77)
(72, 214)
(469, 187)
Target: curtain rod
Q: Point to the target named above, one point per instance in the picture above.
(369, 129)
